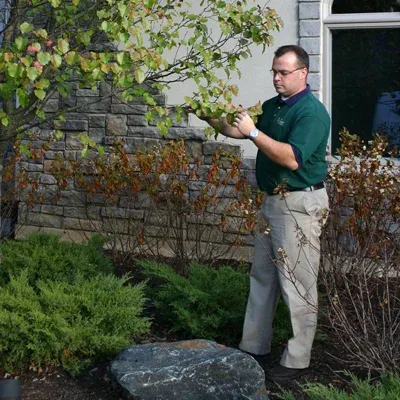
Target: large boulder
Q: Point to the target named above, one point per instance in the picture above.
(191, 369)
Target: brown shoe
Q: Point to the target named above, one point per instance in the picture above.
(279, 373)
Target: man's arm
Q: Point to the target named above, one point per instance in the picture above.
(222, 124)
(225, 128)
(278, 152)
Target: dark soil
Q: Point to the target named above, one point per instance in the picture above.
(95, 384)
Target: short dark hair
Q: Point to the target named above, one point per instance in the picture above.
(303, 59)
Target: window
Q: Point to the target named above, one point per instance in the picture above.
(364, 6)
(362, 69)
(366, 83)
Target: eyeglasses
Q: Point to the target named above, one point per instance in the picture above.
(284, 73)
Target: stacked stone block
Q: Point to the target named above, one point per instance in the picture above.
(310, 38)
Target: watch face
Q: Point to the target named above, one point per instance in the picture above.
(253, 134)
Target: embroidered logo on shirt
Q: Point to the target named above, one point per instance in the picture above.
(280, 121)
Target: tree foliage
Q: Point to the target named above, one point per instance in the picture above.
(143, 46)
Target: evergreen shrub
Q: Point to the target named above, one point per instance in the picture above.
(68, 324)
(209, 303)
(45, 256)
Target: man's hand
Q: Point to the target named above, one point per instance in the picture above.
(244, 124)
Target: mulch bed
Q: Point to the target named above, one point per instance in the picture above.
(95, 384)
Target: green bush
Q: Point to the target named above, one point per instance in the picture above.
(44, 256)
(210, 303)
(68, 324)
(387, 388)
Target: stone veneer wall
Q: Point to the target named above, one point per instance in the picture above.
(310, 29)
(103, 117)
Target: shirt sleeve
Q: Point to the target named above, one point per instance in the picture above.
(307, 135)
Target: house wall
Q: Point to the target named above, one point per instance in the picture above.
(102, 118)
(303, 26)
(256, 81)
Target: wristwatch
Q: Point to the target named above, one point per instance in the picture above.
(253, 134)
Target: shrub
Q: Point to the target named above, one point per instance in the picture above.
(44, 256)
(68, 324)
(163, 199)
(210, 303)
(387, 388)
(361, 254)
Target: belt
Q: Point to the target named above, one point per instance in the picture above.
(311, 188)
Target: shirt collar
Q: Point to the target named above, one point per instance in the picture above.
(294, 99)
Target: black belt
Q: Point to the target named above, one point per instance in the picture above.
(319, 185)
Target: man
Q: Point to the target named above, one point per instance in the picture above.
(291, 136)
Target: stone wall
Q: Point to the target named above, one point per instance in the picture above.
(310, 38)
(104, 118)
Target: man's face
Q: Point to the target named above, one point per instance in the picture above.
(288, 79)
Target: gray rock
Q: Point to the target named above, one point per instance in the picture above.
(116, 125)
(128, 109)
(211, 147)
(74, 125)
(191, 369)
(97, 121)
(51, 105)
(94, 104)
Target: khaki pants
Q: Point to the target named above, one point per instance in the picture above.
(286, 261)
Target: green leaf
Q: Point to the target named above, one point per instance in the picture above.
(4, 121)
(42, 33)
(21, 42)
(71, 58)
(43, 58)
(120, 58)
(56, 60)
(27, 61)
(42, 84)
(40, 94)
(105, 57)
(63, 46)
(84, 152)
(122, 8)
(25, 27)
(85, 37)
(139, 75)
(101, 150)
(58, 134)
(23, 98)
(32, 73)
(105, 25)
(97, 74)
(12, 69)
(55, 3)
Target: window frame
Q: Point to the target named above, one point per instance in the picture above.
(330, 22)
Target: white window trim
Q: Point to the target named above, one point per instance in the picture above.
(345, 21)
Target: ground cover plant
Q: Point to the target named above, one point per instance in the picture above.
(385, 388)
(70, 314)
(208, 303)
(45, 256)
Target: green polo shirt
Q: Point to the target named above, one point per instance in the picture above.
(303, 122)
